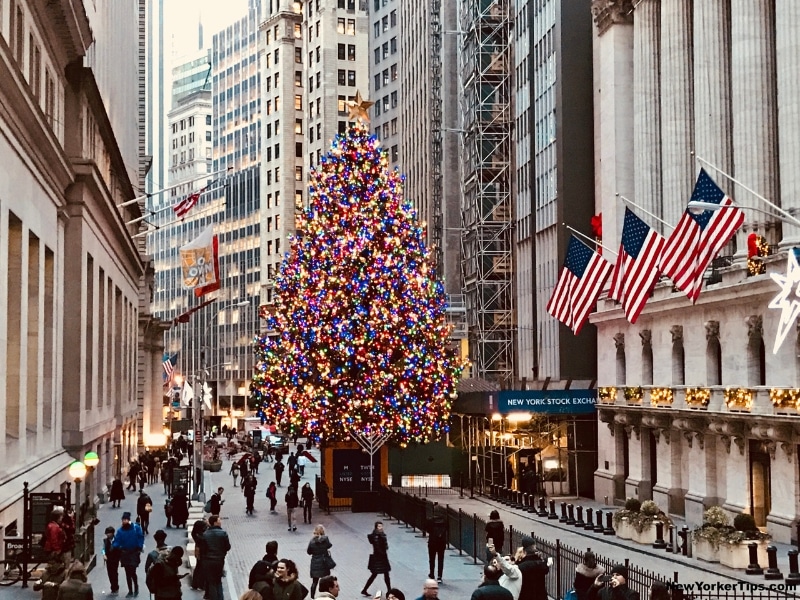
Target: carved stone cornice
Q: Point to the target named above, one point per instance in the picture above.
(605, 416)
(727, 427)
(712, 330)
(619, 341)
(755, 326)
(647, 338)
(677, 333)
(611, 12)
(726, 440)
(777, 433)
(740, 443)
(788, 450)
(633, 429)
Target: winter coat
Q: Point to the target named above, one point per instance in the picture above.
(180, 509)
(75, 589)
(141, 503)
(130, 540)
(54, 537)
(318, 549)
(491, 590)
(272, 491)
(584, 578)
(216, 504)
(291, 499)
(215, 544)
(512, 576)
(117, 490)
(534, 578)
(288, 590)
(496, 531)
(168, 582)
(437, 533)
(621, 592)
(307, 495)
(379, 559)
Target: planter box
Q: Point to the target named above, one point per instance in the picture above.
(703, 550)
(737, 556)
(215, 466)
(647, 537)
(625, 530)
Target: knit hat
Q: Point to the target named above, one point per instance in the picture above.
(126, 515)
(526, 541)
(620, 570)
(160, 536)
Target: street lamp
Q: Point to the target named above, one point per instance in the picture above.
(77, 470)
(91, 460)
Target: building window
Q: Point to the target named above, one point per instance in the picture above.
(342, 126)
(341, 105)
(393, 45)
(351, 51)
(394, 99)
(394, 72)
(298, 149)
(377, 111)
(298, 102)
(277, 156)
(341, 50)
(378, 81)
(377, 29)
(351, 78)
(298, 173)
(208, 119)
(298, 126)
(385, 24)
(351, 26)
(394, 126)
(385, 50)
(318, 54)
(298, 30)
(277, 103)
(394, 154)
(377, 55)
(393, 16)
(208, 136)
(340, 24)
(342, 77)
(298, 55)
(385, 77)
(35, 68)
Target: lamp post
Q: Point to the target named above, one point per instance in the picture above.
(77, 470)
(91, 460)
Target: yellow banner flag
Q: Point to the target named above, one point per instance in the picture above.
(197, 260)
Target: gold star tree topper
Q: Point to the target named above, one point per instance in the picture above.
(359, 107)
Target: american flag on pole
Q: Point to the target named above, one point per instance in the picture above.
(636, 271)
(169, 363)
(699, 237)
(579, 285)
(187, 204)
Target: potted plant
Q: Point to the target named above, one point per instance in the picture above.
(734, 550)
(623, 526)
(643, 522)
(211, 459)
(707, 538)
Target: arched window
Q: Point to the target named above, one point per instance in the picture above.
(678, 358)
(619, 340)
(713, 354)
(756, 352)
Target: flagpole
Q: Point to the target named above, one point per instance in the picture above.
(157, 227)
(648, 213)
(591, 241)
(172, 187)
(791, 217)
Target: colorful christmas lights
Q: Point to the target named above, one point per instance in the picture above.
(361, 337)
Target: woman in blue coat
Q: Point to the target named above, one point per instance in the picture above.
(129, 540)
(318, 548)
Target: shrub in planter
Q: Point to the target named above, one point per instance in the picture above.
(623, 519)
(734, 551)
(707, 538)
(633, 505)
(644, 520)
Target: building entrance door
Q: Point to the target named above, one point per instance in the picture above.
(760, 501)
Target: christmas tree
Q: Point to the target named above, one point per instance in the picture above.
(359, 337)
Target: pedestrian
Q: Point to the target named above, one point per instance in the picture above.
(163, 579)
(585, 574)
(167, 473)
(430, 590)
(495, 533)
(286, 585)
(117, 493)
(617, 588)
(214, 545)
(395, 594)
(307, 498)
(437, 542)
(168, 512)
(249, 489)
(328, 588)
(379, 559)
(76, 586)
(68, 526)
(271, 555)
(261, 578)
(133, 472)
(52, 577)
(144, 506)
(291, 462)
(234, 472)
(491, 589)
(322, 495)
(301, 463)
(55, 538)
(659, 591)
(292, 502)
(129, 539)
(161, 549)
(142, 476)
(111, 560)
(319, 548)
(180, 508)
(268, 452)
(198, 578)
(279, 467)
(512, 576)
(256, 461)
(216, 501)
(272, 494)
(534, 572)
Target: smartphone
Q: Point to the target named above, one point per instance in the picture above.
(605, 578)
(490, 541)
(377, 594)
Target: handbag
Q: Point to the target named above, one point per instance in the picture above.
(329, 562)
(148, 507)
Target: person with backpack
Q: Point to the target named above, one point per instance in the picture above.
(249, 489)
(307, 498)
(111, 559)
(292, 501)
(272, 494)
(160, 538)
(437, 542)
(163, 579)
(129, 540)
(216, 502)
(144, 506)
(279, 467)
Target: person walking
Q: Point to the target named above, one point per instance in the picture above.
(117, 493)
(249, 490)
(307, 498)
(198, 577)
(234, 472)
(161, 549)
(214, 546)
(322, 495)
(286, 585)
(491, 589)
(55, 538)
(163, 579)
(272, 494)
(133, 473)
(76, 586)
(379, 559)
(144, 506)
(291, 462)
(279, 467)
(534, 571)
(585, 574)
(129, 540)
(495, 533)
(437, 542)
(302, 461)
(111, 560)
(271, 555)
(180, 508)
(217, 501)
(142, 476)
(319, 549)
(292, 501)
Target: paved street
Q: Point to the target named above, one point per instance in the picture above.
(348, 531)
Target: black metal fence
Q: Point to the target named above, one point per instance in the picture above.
(466, 534)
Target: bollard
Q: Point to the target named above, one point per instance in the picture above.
(570, 514)
(671, 544)
(532, 507)
(579, 520)
(793, 578)
(589, 525)
(773, 572)
(659, 544)
(552, 514)
(563, 518)
(542, 512)
(682, 541)
(609, 530)
(753, 568)
(599, 520)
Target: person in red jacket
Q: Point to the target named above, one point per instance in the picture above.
(55, 538)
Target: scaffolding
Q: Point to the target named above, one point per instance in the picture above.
(437, 229)
(487, 217)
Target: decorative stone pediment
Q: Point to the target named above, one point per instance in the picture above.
(610, 12)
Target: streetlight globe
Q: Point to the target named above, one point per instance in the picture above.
(77, 470)
(91, 460)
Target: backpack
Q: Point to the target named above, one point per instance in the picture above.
(207, 506)
(153, 575)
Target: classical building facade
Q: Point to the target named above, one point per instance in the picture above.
(696, 409)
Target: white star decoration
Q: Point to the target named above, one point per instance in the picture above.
(788, 300)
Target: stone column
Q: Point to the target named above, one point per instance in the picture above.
(677, 110)
(636, 484)
(783, 491)
(737, 493)
(647, 109)
(607, 464)
(668, 492)
(787, 51)
(702, 490)
(754, 98)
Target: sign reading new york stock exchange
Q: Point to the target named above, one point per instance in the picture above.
(553, 402)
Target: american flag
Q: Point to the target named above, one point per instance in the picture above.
(579, 285)
(187, 204)
(636, 271)
(698, 238)
(169, 363)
